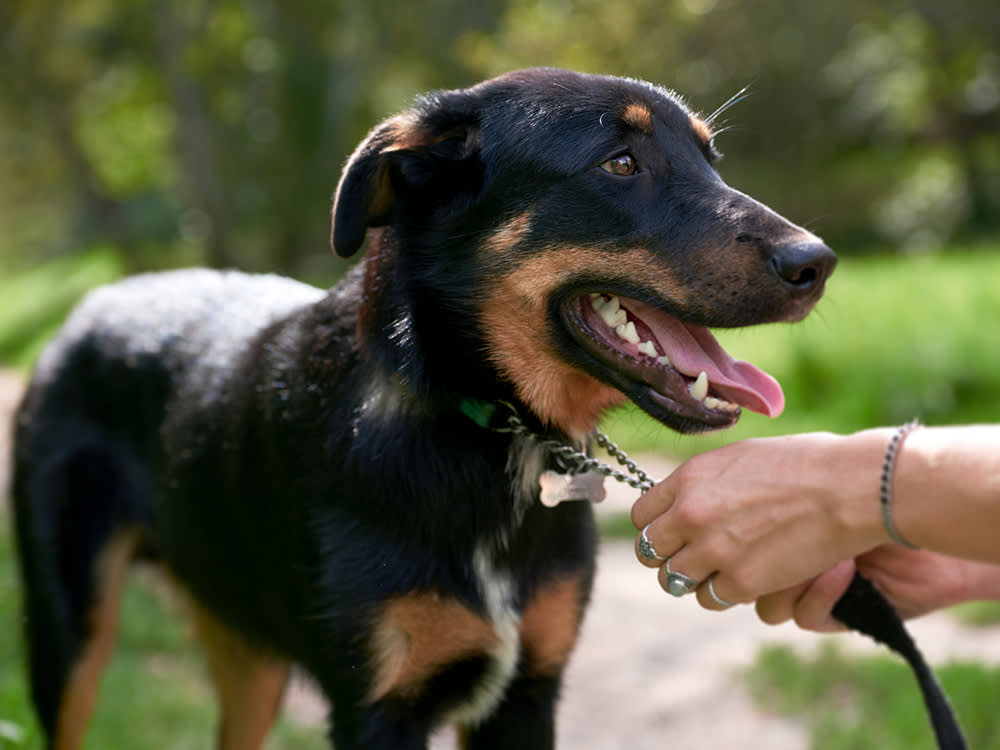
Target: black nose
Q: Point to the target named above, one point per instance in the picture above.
(803, 265)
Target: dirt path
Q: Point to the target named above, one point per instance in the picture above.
(651, 671)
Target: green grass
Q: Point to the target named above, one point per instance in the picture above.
(34, 302)
(616, 525)
(873, 702)
(977, 614)
(154, 694)
(891, 340)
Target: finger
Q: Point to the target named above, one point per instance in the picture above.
(646, 552)
(655, 543)
(779, 606)
(813, 610)
(711, 595)
(657, 501)
(678, 577)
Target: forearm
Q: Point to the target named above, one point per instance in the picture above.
(946, 491)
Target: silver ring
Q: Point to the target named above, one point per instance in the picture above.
(646, 549)
(678, 584)
(715, 597)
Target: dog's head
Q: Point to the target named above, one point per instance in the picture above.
(573, 229)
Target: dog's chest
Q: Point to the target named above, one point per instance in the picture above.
(463, 654)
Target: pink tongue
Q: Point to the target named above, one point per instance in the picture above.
(693, 349)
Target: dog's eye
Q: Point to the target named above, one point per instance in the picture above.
(622, 165)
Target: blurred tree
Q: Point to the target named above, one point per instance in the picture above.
(868, 120)
(184, 131)
(926, 82)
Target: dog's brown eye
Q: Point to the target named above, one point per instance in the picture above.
(623, 165)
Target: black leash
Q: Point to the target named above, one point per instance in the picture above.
(865, 609)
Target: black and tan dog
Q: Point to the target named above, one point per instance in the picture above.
(306, 465)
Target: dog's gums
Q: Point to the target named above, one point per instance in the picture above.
(682, 366)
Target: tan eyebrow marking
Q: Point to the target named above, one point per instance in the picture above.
(703, 129)
(639, 117)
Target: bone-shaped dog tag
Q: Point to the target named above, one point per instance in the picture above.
(557, 488)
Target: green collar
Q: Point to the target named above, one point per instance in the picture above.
(480, 412)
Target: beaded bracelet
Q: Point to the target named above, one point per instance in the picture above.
(885, 488)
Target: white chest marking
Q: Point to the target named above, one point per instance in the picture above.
(497, 589)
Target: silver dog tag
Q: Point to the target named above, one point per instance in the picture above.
(557, 488)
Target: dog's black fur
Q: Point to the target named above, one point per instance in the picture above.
(301, 463)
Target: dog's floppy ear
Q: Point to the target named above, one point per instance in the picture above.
(409, 154)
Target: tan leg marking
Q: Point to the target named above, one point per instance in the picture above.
(80, 693)
(418, 634)
(550, 624)
(249, 683)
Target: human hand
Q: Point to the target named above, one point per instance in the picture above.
(767, 515)
(914, 581)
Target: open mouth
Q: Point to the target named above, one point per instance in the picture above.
(675, 371)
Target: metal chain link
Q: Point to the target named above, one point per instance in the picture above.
(579, 462)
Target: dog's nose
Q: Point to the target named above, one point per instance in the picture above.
(803, 265)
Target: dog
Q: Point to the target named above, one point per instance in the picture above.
(326, 475)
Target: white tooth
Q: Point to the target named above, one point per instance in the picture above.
(699, 388)
(627, 331)
(597, 301)
(664, 360)
(612, 313)
(712, 402)
(647, 348)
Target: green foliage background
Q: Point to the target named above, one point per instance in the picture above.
(144, 134)
(213, 132)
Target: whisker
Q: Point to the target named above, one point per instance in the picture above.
(815, 221)
(735, 99)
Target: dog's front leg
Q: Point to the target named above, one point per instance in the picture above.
(380, 726)
(525, 719)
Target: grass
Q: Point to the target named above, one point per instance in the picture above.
(853, 703)
(154, 694)
(978, 614)
(34, 302)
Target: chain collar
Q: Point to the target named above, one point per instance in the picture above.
(491, 416)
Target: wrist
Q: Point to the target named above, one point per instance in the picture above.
(946, 491)
(858, 468)
(887, 480)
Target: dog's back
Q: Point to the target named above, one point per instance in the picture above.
(85, 462)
